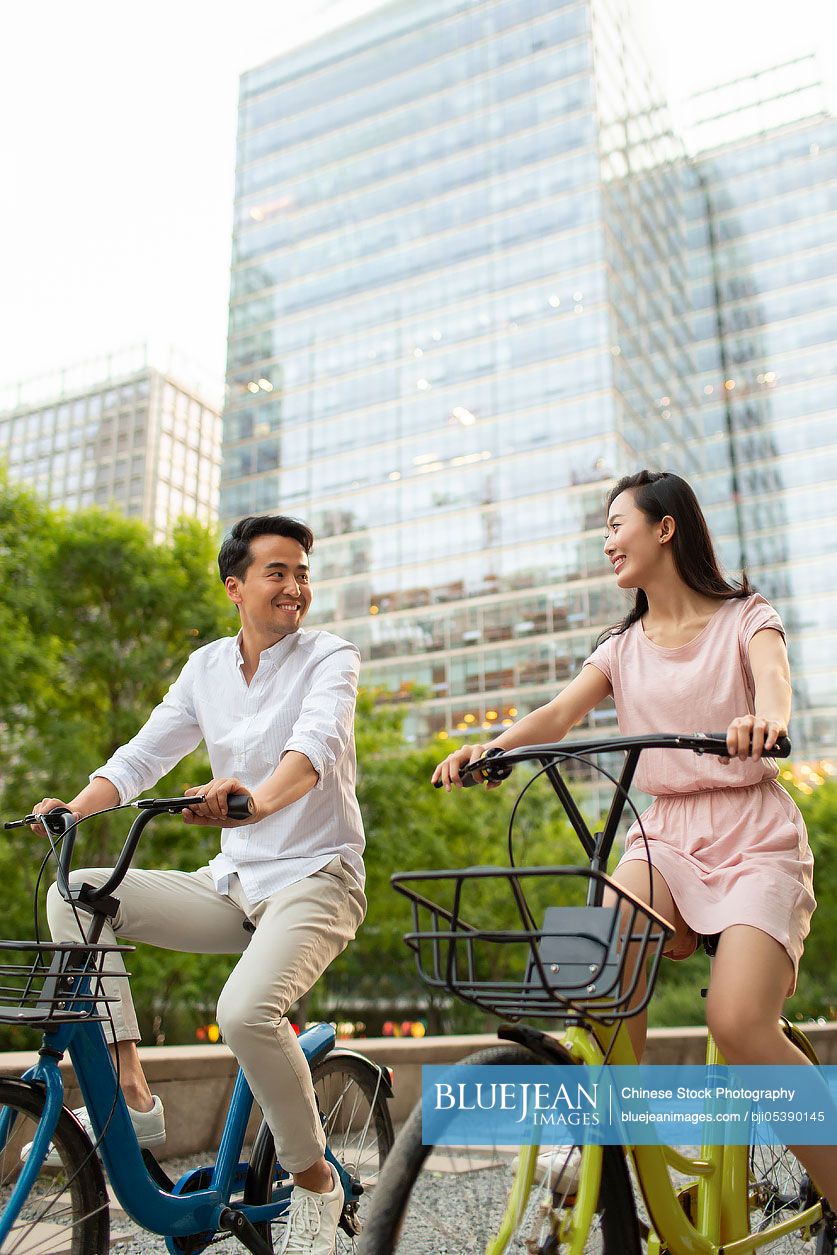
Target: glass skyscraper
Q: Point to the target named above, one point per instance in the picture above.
(458, 308)
(763, 263)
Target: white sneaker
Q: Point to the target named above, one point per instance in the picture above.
(311, 1227)
(149, 1126)
(558, 1167)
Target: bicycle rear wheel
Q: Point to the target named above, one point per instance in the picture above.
(359, 1133)
(66, 1212)
(779, 1184)
(454, 1200)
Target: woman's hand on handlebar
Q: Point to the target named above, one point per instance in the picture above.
(212, 811)
(749, 736)
(447, 774)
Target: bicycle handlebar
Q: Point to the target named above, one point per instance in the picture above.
(60, 823)
(497, 764)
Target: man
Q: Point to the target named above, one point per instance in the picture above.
(275, 706)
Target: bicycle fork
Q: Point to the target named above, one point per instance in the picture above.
(50, 1078)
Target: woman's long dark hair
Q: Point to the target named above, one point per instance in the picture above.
(658, 493)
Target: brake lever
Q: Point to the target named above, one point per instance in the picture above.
(55, 814)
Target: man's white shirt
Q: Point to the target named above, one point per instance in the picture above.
(302, 698)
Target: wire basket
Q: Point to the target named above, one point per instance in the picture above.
(581, 962)
(46, 983)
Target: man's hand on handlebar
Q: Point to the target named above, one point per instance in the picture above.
(44, 806)
(212, 812)
(749, 737)
(447, 774)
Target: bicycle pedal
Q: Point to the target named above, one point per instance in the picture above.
(350, 1221)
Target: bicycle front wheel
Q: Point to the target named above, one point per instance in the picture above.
(465, 1200)
(359, 1133)
(779, 1183)
(67, 1208)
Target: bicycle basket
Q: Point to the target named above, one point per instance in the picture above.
(44, 984)
(581, 962)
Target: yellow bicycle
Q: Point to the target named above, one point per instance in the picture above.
(573, 968)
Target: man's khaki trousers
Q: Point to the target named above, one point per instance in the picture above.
(298, 932)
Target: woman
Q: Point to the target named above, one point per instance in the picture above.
(728, 846)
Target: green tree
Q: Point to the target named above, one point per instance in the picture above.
(26, 660)
(816, 994)
(99, 619)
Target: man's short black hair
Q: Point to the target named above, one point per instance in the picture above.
(234, 557)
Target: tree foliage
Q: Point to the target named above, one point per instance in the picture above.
(97, 621)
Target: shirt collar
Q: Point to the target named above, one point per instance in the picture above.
(276, 653)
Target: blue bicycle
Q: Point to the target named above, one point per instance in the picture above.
(53, 1196)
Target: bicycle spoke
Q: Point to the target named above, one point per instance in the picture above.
(356, 1165)
(359, 1135)
(67, 1205)
(46, 1244)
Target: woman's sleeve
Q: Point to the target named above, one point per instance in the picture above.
(602, 657)
(757, 615)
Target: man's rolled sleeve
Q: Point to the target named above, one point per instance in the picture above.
(171, 732)
(324, 726)
(121, 781)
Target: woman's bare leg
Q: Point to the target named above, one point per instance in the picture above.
(747, 990)
(634, 877)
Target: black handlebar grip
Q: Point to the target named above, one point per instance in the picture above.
(240, 805)
(486, 772)
(54, 819)
(782, 748)
(467, 777)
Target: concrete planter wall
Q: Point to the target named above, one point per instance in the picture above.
(195, 1082)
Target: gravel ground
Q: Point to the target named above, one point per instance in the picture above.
(128, 1239)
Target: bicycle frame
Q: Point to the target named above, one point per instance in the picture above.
(721, 1197)
(160, 1211)
(199, 1203)
(182, 1210)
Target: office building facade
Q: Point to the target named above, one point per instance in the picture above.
(458, 289)
(762, 210)
(117, 433)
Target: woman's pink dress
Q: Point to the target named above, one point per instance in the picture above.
(729, 841)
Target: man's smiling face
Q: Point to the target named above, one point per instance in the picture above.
(275, 592)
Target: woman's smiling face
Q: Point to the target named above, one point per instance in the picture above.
(633, 542)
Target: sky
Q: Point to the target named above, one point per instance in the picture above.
(117, 146)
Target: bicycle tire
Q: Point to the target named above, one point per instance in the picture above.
(341, 1120)
(72, 1196)
(464, 1214)
(779, 1183)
